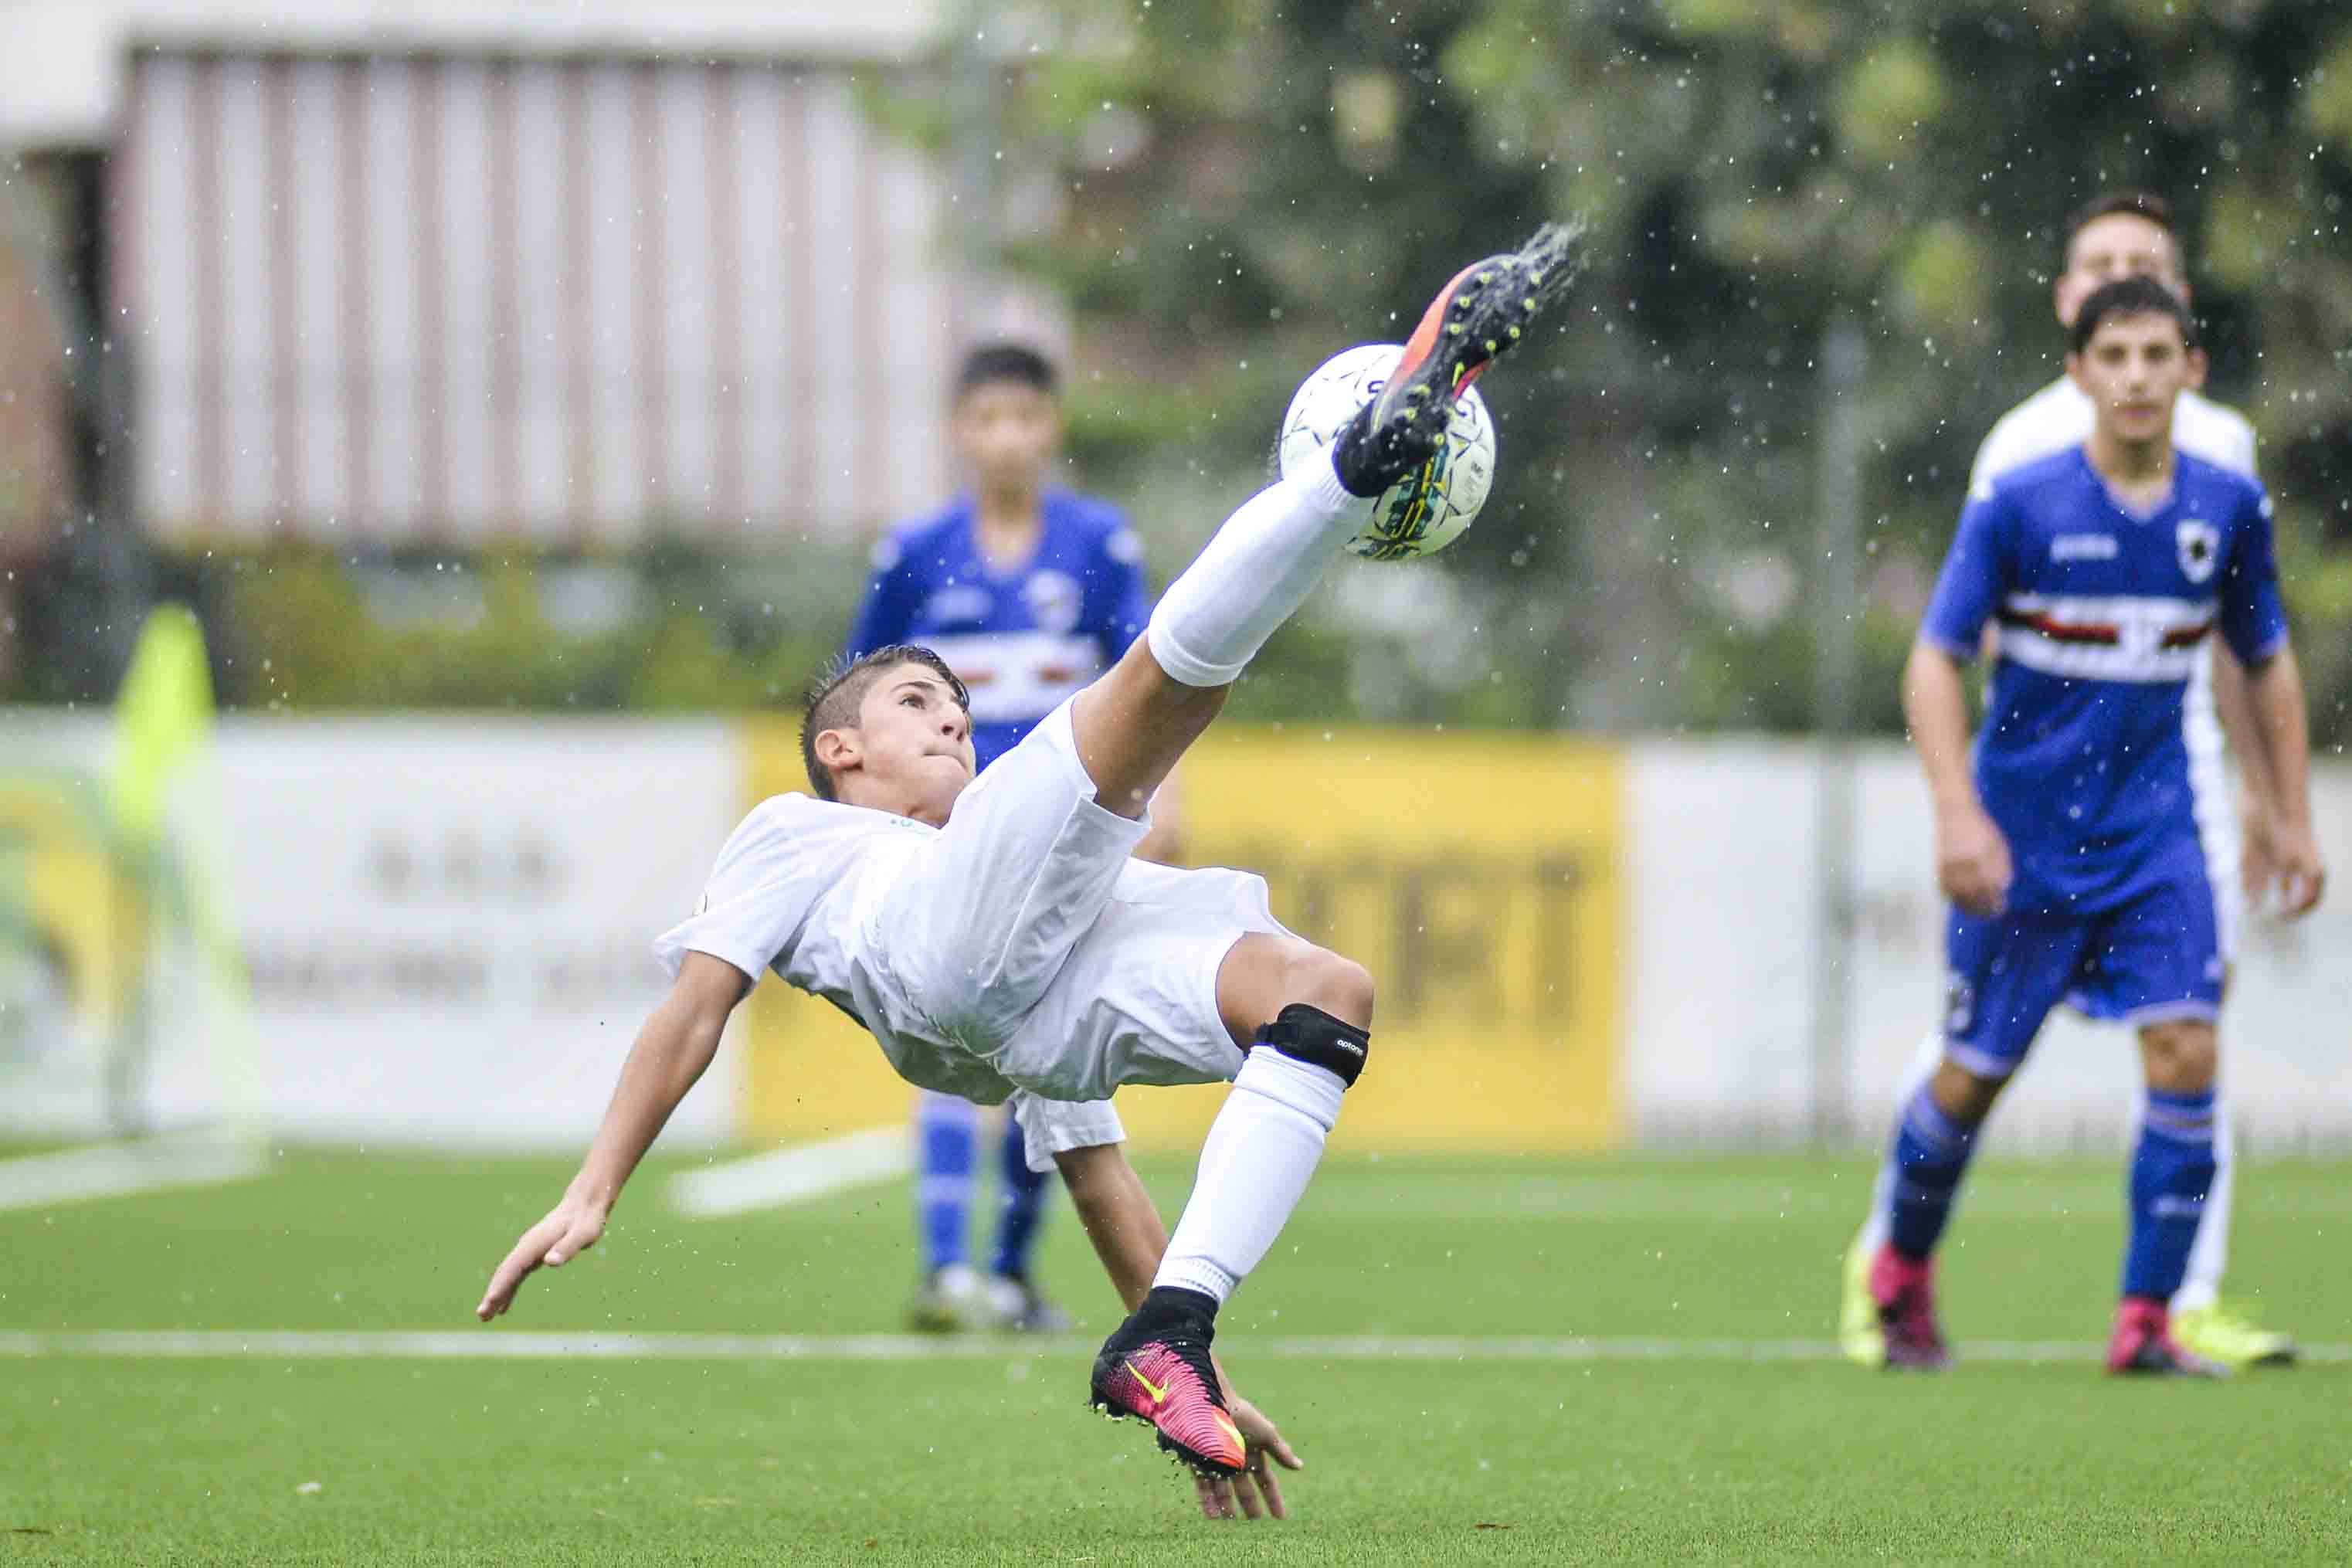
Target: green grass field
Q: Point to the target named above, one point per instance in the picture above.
(1617, 1361)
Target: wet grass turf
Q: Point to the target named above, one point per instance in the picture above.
(992, 1459)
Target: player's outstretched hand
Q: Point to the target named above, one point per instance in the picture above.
(1972, 864)
(570, 1229)
(1254, 1493)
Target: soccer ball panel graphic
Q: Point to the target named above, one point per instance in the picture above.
(1427, 510)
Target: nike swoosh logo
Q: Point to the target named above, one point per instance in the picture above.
(1158, 1394)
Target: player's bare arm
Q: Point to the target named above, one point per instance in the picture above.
(1972, 861)
(672, 1050)
(2274, 694)
(2259, 804)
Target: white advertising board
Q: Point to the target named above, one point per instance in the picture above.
(1728, 927)
(447, 922)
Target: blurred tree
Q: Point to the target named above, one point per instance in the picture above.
(1238, 187)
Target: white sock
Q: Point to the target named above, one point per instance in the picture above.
(1253, 577)
(1261, 1149)
(2209, 1255)
(1877, 1222)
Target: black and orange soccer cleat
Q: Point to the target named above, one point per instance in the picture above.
(1155, 1367)
(1485, 310)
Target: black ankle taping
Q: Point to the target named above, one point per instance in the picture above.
(1165, 1304)
(1309, 1035)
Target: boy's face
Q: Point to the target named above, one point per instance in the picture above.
(2108, 250)
(2133, 368)
(911, 751)
(1007, 430)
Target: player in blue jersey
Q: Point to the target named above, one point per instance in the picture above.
(2071, 849)
(2131, 234)
(1028, 592)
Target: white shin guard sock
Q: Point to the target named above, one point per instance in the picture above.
(1253, 577)
(1264, 1145)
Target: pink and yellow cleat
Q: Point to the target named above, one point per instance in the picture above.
(2143, 1343)
(1904, 1289)
(1156, 1368)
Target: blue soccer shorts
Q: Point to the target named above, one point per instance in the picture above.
(2150, 955)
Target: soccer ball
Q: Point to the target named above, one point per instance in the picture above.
(1427, 510)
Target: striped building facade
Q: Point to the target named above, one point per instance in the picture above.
(403, 299)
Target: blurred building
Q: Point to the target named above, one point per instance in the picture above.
(446, 273)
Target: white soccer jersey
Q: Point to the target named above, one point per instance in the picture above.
(2061, 415)
(1021, 947)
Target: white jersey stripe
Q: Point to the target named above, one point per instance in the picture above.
(2139, 663)
(2147, 610)
(1017, 677)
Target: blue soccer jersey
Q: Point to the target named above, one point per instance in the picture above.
(1023, 638)
(2082, 760)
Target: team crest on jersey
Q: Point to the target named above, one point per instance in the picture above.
(2200, 548)
(1054, 599)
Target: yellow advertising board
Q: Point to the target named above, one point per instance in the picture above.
(1477, 876)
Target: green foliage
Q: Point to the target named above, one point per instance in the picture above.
(1306, 172)
(685, 631)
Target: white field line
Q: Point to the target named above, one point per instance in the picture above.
(120, 1170)
(498, 1344)
(792, 1175)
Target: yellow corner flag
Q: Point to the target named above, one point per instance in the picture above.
(162, 717)
(162, 733)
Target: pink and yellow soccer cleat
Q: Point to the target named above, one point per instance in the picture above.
(1156, 1368)
(2143, 1343)
(1905, 1290)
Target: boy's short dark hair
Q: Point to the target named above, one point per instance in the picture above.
(2138, 203)
(998, 362)
(835, 698)
(2130, 297)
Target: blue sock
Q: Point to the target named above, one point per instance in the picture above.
(2171, 1172)
(1930, 1152)
(1025, 1191)
(945, 1129)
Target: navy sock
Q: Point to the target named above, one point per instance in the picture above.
(1930, 1152)
(945, 1133)
(2171, 1172)
(1023, 1206)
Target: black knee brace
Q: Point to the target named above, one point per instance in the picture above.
(1309, 1035)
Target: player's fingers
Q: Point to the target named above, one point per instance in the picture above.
(1272, 1489)
(1216, 1497)
(1246, 1494)
(509, 1275)
(1274, 1445)
(2303, 891)
(578, 1239)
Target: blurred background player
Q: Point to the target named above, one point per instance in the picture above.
(2131, 234)
(2072, 851)
(1029, 591)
